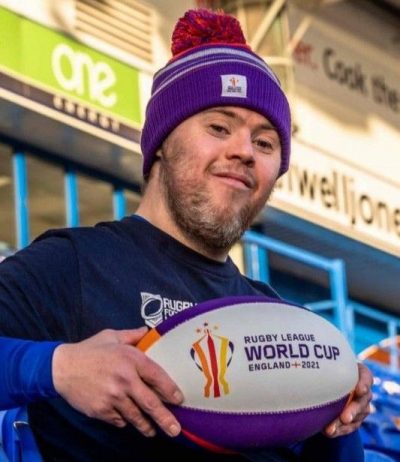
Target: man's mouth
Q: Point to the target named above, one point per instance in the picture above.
(237, 179)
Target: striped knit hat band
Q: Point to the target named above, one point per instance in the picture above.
(210, 75)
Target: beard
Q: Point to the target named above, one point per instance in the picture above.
(214, 225)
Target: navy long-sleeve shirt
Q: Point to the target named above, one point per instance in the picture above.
(72, 283)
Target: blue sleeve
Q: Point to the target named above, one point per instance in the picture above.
(39, 305)
(25, 372)
(346, 448)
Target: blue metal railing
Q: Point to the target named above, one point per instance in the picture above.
(256, 248)
(392, 328)
(255, 264)
(71, 197)
(119, 203)
(21, 199)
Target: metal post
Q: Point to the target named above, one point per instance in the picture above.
(21, 199)
(71, 198)
(337, 276)
(265, 24)
(351, 326)
(264, 264)
(251, 260)
(394, 348)
(119, 203)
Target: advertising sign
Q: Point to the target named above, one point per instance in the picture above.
(57, 71)
(340, 196)
(365, 81)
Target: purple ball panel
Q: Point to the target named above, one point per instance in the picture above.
(238, 431)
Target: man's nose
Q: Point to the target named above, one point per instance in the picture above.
(242, 148)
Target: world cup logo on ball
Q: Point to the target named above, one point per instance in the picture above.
(213, 354)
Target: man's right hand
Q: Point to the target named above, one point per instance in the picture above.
(106, 377)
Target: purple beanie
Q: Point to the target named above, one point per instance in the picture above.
(212, 71)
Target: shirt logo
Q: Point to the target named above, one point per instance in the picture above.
(212, 354)
(234, 86)
(156, 308)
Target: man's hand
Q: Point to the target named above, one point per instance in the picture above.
(106, 377)
(357, 409)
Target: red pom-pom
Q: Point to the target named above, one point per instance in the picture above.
(199, 27)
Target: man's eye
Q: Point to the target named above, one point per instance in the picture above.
(218, 128)
(264, 144)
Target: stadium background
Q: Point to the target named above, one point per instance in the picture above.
(75, 76)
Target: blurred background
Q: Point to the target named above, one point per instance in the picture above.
(75, 76)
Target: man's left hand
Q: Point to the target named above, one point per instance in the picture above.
(356, 410)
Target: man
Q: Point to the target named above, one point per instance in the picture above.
(215, 140)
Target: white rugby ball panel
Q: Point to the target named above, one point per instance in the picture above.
(269, 357)
(255, 371)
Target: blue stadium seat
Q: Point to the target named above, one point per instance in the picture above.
(18, 443)
(3, 457)
(375, 456)
(380, 431)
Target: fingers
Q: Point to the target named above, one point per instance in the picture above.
(148, 405)
(139, 395)
(130, 400)
(131, 336)
(144, 408)
(357, 410)
(106, 377)
(150, 394)
(111, 336)
(349, 421)
(117, 420)
(130, 413)
(126, 412)
(365, 380)
(338, 429)
(159, 380)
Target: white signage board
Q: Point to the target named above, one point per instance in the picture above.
(340, 196)
(356, 75)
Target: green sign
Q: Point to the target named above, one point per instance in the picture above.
(61, 64)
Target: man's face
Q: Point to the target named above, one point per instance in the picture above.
(218, 169)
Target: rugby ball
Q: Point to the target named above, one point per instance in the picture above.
(255, 372)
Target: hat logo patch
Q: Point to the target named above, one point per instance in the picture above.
(234, 86)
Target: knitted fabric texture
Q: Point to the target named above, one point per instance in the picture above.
(212, 66)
